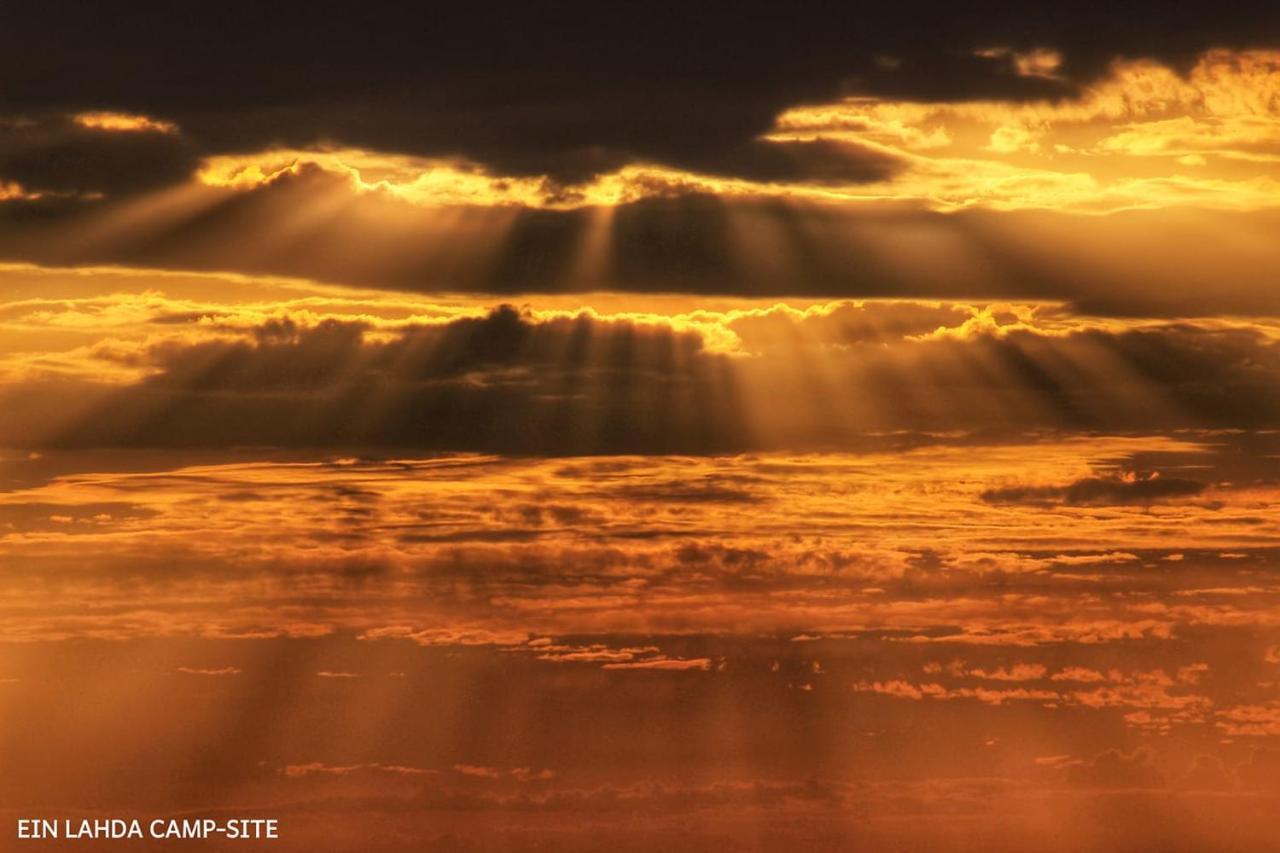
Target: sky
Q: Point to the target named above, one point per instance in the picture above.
(575, 427)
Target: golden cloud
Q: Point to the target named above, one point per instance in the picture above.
(123, 123)
(1143, 137)
(1124, 142)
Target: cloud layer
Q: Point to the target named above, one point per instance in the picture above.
(1137, 186)
(220, 363)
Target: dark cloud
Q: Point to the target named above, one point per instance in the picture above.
(501, 381)
(524, 88)
(1099, 491)
(1204, 375)
(817, 161)
(518, 381)
(55, 154)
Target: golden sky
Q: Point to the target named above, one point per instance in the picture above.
(869, 445)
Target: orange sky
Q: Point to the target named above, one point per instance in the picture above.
(897, 470)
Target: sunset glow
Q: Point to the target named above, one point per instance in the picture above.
(572, 431)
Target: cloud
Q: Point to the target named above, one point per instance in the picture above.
(1017, 672)
(479, 772)
(92, 155)
(448, 636)
(1262, 770)
(357, 369)
(123, 123)
(1100, 491)
(859, 149)
(810, 162)
(1037, 62)
(519, 774)
(309, 225)
(1207, 773)
(932, 690)
(1250, 720)
(399, 545)
(662, 663)
(1116, 769)
(294, 771)
(1063, 154)
(507, 380)
(720, 81)
(216, 672)
(1161, 702)
(702, 98)
(861, 191)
